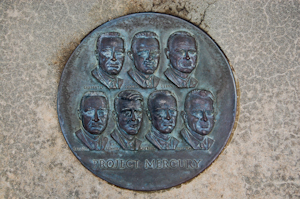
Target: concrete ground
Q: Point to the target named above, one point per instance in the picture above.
(261, 39)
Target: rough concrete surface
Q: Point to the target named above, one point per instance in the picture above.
(262, 42)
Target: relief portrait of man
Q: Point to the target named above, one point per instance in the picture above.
(145, 54)
(199, 118)
(110, 53)
(129, 117)
(93, 113)
(162, 107)
(182, 53)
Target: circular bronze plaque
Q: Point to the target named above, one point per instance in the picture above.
(147, 101)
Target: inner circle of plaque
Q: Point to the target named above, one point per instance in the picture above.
(147, 101)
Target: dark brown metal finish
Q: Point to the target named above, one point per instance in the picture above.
(147, 101)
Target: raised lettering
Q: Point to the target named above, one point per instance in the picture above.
(122, 164)
(165, 163)
(149, 164)
(173, 163)
(198, 163)
(182, 163)
(190, 163)
(130, 163)
(159, 164)
(102, 163)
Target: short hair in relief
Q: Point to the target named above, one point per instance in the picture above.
(160, 93)
(179, 33)
(92, 94)
(143, 35)
(107, 35)
(128, 95)
(197, 93)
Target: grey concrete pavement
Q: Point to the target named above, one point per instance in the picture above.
(262, 42)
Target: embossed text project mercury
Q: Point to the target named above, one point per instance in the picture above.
(147, 101)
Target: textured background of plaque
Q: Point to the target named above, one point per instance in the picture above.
(261, 40)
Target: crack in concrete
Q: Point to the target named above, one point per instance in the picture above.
(204, 13)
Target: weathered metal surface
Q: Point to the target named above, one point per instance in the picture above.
(147, 101)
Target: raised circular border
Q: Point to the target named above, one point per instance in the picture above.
(67, 93)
